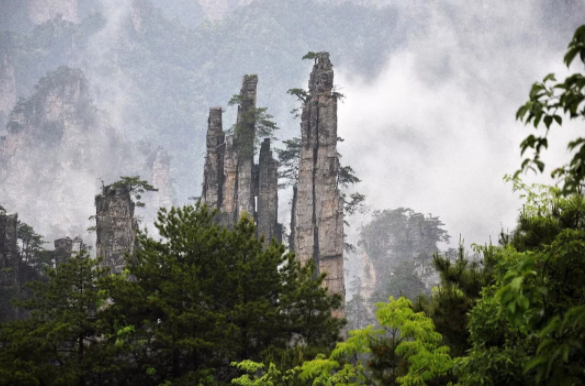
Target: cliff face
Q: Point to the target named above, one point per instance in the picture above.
(57, 147)
(115, 227)
(232, 183)
(318, 214)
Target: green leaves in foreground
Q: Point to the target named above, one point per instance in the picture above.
(548, 100)
(418, 345)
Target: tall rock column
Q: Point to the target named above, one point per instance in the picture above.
(318, 214)
(244, 139)
(63, 249)
(9, 265)
(115, 227)
(267, 212)
(213, 177)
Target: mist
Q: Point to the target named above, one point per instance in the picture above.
(435, 130)
(431, 93)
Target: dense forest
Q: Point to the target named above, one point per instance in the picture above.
(116, 268)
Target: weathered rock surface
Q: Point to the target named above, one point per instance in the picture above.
(9, 266)
(368, 281)
(244, 138)
(213, 177)
(232, 182)
(115, 227)
(318, 207)
(63, 249)
(267, 194)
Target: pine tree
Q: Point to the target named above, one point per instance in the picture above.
(203, 296)
(59, 343)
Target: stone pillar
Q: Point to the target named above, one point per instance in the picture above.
(213, 174)
(115, 227)
(318, 206)
(8, 236)
(229, 210)
(63, 249)
(244, 137)
(9, 266)
(267, 194)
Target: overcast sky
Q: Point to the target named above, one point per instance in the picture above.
(436, 130)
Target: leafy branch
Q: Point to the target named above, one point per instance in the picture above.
(547, 101)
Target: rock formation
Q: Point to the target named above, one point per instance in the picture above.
(232, 183)
(66, 247)
(318, 207)
(213, 178)
(367, 277)
(267, 193)
(115, 227)
(63, 249)
(9, 266)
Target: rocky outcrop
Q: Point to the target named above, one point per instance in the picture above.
(8, 247)
(267, 194)
(367, 278)
(39, 11)
(232, 183)
(245, 135)
(115, 227)
(318, 214)
(213, 178)
(63, 249)
(9, 266)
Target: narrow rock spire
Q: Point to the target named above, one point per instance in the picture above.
(318, 215)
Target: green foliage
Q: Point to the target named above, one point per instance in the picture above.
(134, 186)
(213, 295)
(253, 121)
(416, 354)
(547, 101)
(289, 158)
(461, 282)
(58, 344)
(195, 299)
(527, 326)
